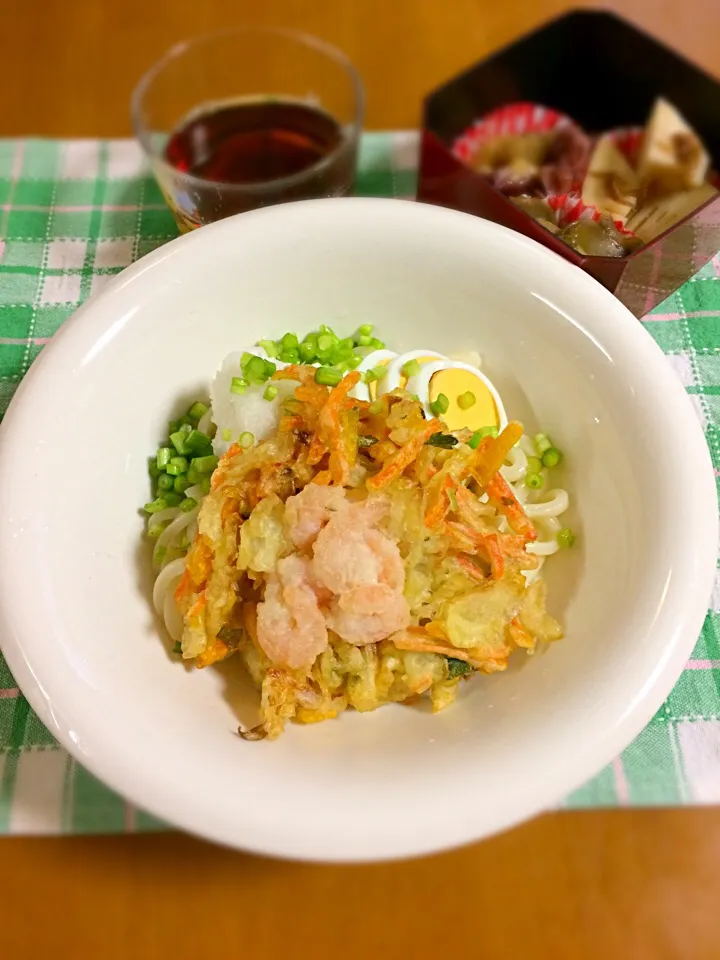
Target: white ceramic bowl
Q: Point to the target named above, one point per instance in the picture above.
(76, 624)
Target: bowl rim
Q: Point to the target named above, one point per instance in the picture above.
(43, 692)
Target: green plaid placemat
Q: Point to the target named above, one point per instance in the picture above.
(73, 213)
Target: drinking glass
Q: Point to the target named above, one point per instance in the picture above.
(248, 117)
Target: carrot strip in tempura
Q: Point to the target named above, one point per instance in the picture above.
(502, 497)
(404, 457)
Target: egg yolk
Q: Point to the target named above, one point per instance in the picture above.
(453, 383)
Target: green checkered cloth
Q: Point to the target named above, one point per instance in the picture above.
(73, 213)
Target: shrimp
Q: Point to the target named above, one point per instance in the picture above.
(363, 568)
(308, 511)
(368, 614)
(291, 627)
(349, 552)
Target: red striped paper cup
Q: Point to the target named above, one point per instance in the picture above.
(511, 120)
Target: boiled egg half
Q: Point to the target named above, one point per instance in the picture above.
(472, 400)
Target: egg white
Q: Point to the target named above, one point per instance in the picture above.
(361, 391)
(394, 373)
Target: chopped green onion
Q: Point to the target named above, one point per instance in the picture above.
(474, 441)
(377, 344)
(542, 443)
(308, 352)
(534, 481)
(445, 440)
(177, 647)
(153, 468)
(245, 359)
(354, 361)
(181, 484)
(246, 439)
(375, 373)
(366, 441)
(177, 466)
(324, 343)
(328, 376)
(154, 532)
(457, 668)
(271, 391)
(172, 499)
(346, 345)
(165, 482)
(365, 330)
(198, 444)
(415, 397)
(185, 420)
(173, 426)
(364, 340)
(270, 348)
(163, 457)
(205, 485)
(411, 368)
(227, 434)
(156, 506)
(178, 441)
(258, 370)
(290, 341)
(565, 538)
(551, 457)
(289, 356)
(159, 555)
(440, 405)
(534, 465)
(202, 465)
(197, 411)
(188, 504)
(376, 407)
(466, 400)
(238, 385)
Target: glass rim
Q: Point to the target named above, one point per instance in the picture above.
(183, 47)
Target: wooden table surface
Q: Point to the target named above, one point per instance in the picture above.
(640, 884)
